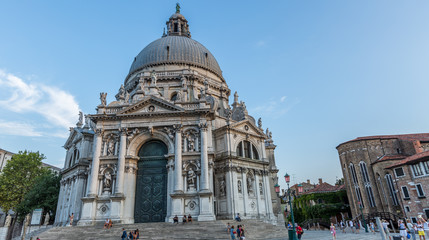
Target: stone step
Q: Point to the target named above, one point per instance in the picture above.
(197, 230)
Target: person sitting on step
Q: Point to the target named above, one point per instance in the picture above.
(106, 224)
(110, 223)
(184, 220)
(189, 218)
(238, 218)
(176, 219)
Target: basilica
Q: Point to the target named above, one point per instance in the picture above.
(171, 144)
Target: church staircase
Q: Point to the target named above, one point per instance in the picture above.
(255, 229)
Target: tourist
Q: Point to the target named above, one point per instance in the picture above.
(124, 234)
(189, 218)
(351, 226)
(372, 227)
(136, 234)
(232, 232)
(421, 230)
(106, 224)
(71, 219)
(228, 228)
(386, 228)
(176, 219)
(333, 232)
(131, 235)
(242, 236)
(184, 220)
(238, 218)
(238, 232)
(343, 227)
(110, 223)
(425, 225)
(289, 226)
(299, 230)
(402, 229)
(357, 224)
(411, 229)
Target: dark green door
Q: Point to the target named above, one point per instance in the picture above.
(151, 188)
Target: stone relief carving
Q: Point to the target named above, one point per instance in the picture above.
(250, 184)
(153, 78)
(191, 139)
(103, 209)
(261, 191)
(107, 181)
(121, 93)
(131, 169)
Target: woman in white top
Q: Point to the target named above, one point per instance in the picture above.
(420, 230)
(402, 229)
(411, 229)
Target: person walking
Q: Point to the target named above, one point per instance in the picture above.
(299, 231)
(333, 232)
(124, 234)
(232, 233)
(411, 229)
(425, 225)
(343, 227)
(372, 227)
(402, 229)
(357, 224)
(351, 226)
(421, 230)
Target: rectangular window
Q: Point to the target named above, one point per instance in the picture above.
(399, 172)
(405, 192)
(417, 170)
(392, 189)
(407, 209)
(426, 166)
(427, 212)
(414, 220)
(420, 190)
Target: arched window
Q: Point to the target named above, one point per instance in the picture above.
(392, 189)
(367, 183)
(356, 184)
(247, 150)
(174, 97)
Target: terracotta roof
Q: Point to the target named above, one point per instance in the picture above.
(409, 137)
(390, 157)
(411, 159)
(324, 188)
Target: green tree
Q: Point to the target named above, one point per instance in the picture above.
(18, 177)
(43, 194)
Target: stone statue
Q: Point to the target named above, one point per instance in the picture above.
(259, 123)
(269, 134)
(191, 144)
(47, 217)
(249, 185)
(239, 186)
(192, 177)
(236, 97)
(127, 97)
(80, 122)
(206, 85)
(103, 98)
(184, 82)
(177, 8)
(202, 93)
(153, 77)
(260, 189)
(110, 148)
(222, 187)
(8, 221)
(87, 120)
(107, 180)
(121, 93)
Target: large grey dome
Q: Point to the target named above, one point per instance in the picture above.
(176, 50)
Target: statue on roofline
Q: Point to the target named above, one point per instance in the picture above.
(177, 8)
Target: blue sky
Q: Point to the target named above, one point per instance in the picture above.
(318, 72)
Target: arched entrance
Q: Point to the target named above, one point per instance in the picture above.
(151, 187)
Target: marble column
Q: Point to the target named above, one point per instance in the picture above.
(178, 179)
(204, 179)
(121, 163)
(245, 192)
(92, 191)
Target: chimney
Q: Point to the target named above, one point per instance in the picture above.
(320, 181)
(417, 146)
(308, 181)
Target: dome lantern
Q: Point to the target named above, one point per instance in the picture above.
(177, 25)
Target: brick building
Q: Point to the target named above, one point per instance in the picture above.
(376, 168)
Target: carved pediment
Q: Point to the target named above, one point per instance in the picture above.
(74, 135)
(150, 104)
(247, 126)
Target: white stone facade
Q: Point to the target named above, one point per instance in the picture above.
(219, 162)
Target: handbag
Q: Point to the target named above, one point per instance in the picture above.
(408, 236)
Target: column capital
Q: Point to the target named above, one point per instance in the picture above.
(123, 131)
(99, 132)
(203, 126)
(177, 128)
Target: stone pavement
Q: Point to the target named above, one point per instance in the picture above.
(326, 235)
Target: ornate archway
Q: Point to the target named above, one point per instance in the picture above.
(151, 187)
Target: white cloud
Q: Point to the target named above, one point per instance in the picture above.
(18, 129)
(58, 107)
(276, 107)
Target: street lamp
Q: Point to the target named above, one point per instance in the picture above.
(287, 179)
(364, 222)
